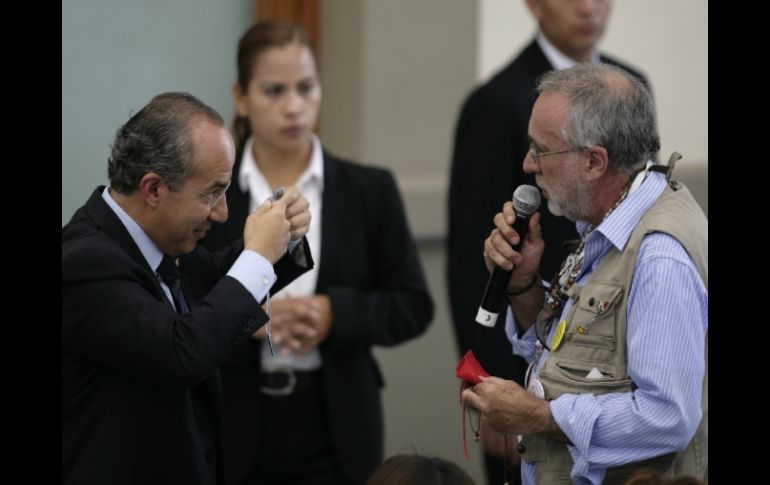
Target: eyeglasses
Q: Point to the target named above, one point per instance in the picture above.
(536, 156)
(213, 198)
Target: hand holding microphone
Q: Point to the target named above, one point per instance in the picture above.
(509, 248)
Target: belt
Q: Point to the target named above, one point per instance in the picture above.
(285, 380)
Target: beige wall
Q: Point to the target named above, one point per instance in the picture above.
(394, 75)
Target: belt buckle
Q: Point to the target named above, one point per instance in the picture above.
(281, 391)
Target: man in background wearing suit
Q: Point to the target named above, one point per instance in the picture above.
(491, 136)
(141, 394)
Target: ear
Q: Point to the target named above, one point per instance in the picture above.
(151, 187)
(239, 98)
(597, 164)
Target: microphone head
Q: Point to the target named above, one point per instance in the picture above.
(526, 200)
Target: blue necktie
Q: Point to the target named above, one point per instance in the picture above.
(169, 273)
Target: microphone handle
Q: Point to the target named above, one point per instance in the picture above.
(493, 297)
(494, 293)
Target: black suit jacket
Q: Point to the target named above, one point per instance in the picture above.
(140, 386)
(489, 148)
(370, 270)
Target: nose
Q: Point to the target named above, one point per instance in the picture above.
(294, 102)
(529, 165)
(588, 7)
(219, 211)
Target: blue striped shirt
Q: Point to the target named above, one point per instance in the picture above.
(667, 317)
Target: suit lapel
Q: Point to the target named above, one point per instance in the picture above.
(111, 225)
(333, 217)
(534, 59)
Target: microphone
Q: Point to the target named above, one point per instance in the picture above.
(526, 200)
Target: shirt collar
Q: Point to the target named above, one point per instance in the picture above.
(248, 166)
(151, 252)
(557, 59)
(619, 225)
(315, 169)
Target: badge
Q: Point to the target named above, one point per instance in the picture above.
(535, 388)
(604, 305)
(558, 335)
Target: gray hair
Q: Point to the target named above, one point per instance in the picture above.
(608, 107)
(158, 139)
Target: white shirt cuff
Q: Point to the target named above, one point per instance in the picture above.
(254, 272)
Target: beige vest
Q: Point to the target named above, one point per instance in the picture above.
(602, 301)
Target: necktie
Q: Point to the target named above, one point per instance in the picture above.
(169, 273)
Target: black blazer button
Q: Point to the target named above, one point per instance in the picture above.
(211, 456)
(248, 325)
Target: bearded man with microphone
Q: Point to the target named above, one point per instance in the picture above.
(617, 345)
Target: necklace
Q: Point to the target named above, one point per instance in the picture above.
(573, 264)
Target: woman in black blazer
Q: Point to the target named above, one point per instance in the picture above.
(310, 412)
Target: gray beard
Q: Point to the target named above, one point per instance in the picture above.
(557, 210)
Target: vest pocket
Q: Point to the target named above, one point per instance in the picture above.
(569, 377)
(592, 320)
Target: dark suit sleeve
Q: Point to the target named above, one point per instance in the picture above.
(394, 305)
(114, 314)
(203, 268)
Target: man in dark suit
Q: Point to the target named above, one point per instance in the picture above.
(490, 140)
(141, 392)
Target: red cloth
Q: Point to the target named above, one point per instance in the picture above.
(469, 370)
